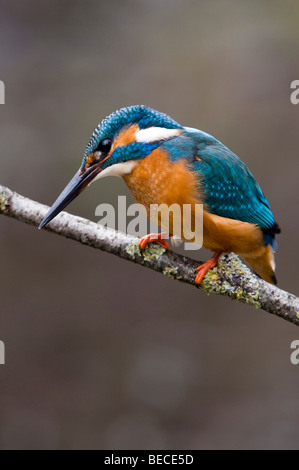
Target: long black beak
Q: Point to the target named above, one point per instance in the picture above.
(73, 189)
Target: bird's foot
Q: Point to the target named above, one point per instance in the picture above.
(205, 267)
(154, 237)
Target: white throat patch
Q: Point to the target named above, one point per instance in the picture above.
(152, 134)
(118, 169)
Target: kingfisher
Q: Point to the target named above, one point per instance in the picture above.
(163, 162)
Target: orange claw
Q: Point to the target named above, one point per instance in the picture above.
(205, 267)
(154, 237)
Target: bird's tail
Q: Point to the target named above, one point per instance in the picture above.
(264, 265)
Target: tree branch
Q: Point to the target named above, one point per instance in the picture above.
(231, 277)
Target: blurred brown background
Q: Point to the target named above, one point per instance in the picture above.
(101, 353)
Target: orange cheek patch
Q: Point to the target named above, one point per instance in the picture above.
(125, 137)
(90, 160)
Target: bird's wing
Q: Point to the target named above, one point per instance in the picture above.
(230, 189)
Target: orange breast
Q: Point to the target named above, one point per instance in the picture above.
(157, 180)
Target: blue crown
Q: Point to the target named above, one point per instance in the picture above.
(141, 115)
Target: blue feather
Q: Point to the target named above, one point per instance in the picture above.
(230, 189)
(133, 151)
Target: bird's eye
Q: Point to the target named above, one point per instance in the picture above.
(104, 146)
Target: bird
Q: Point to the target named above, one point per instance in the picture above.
(163, 162)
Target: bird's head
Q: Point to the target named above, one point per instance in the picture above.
(115, 147)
